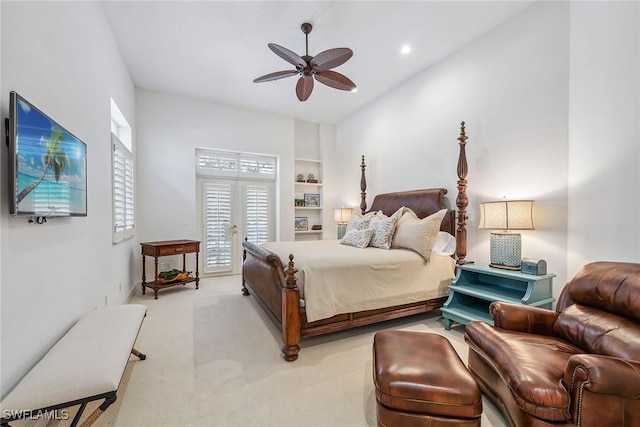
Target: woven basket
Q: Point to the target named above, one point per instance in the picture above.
(179, 277)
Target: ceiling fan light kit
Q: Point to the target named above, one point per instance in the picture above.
(311, 68)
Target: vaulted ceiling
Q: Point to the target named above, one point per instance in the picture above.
(213, 50)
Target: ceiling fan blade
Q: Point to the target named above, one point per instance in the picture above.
(331, 58)
(275, 76)
(335, 80)
(291, 57)
(304, 88)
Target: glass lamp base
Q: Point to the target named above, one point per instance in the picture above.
(342, 228)
(506, 250)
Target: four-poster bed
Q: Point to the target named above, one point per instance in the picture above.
(277, 287)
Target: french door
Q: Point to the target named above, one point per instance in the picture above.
(232, 209)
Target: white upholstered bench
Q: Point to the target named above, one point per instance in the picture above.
(85, 365)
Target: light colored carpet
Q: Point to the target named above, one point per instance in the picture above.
(214, 360)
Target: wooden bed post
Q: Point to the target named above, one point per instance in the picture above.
(363, 188)
(462, 201)
(291, 323)
(245, 291)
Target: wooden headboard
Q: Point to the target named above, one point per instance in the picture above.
(428, 201)
(423, 202)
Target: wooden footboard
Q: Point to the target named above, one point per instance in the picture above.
(276, 291)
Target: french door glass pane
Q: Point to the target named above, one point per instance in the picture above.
(218, 218)
(257, 213)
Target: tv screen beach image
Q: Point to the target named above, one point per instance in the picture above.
(51, 166)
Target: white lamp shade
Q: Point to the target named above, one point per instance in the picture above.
(342, 215)
(507, 215)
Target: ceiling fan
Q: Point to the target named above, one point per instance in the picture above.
(310, 67)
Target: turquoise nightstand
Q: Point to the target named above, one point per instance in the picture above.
(477, 286)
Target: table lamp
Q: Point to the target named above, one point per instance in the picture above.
(341, 216)
(506, 247)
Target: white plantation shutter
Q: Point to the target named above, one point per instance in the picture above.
(257, 216)
(217, 163)
(218, 217)
(262, 167)
(123, 190)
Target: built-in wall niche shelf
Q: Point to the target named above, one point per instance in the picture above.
(309, 184)
(310, 193)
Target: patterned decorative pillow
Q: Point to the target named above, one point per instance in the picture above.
(384, 227)
(357, 238)
(359, 221)
(417, 234)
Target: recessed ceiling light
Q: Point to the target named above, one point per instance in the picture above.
(355, 89)
(406, 49)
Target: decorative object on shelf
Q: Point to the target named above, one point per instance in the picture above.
(312, 179)
(533, 266)
(300, 178)
(341, 216)
(312, 200)
(506, 247)
(301, 223)
(299, 202)
(316, 227)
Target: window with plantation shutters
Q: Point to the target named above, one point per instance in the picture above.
(257, 201)
(123, 201)
(218, 163)
(218, 216)
(122, 183)
(237, 202)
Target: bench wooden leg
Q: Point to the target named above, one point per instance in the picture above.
(141, 356)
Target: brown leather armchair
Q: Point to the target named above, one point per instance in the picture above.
(576, 366)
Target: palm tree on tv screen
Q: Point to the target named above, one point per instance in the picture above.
(54, 157)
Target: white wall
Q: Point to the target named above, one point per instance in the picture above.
(170, 128)
(511, 88)
(61, 57)
(604, 137)
(306, 140)
(332, 187)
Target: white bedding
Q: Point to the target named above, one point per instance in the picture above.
(335, 278)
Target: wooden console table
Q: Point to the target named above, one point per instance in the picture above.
(164, 248)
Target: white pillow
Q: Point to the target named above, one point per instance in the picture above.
(417, 234)
(383, 228)
(445, 244)
(359, 221)
(357, 238)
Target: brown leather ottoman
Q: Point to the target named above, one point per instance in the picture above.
(421, 381)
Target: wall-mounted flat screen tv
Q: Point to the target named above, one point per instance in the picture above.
(47, 164)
